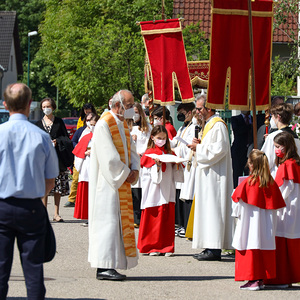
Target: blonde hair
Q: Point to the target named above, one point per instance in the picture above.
(260, 170)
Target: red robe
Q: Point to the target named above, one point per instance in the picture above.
(81, 203)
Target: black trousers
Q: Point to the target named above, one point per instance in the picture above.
(136, 201)
(24, 220)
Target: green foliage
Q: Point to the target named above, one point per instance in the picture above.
(285, 72)
(196, 46)
(284, 76)
(95, 46)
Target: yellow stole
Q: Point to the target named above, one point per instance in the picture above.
(126, 207)
(190, 224)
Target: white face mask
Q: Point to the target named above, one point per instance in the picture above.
(129, 113)
(136, 117)
(47, 111)
(88, 124)
(273, 124)
(194, 121)
(157, 122)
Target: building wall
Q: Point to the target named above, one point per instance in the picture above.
(11, 75)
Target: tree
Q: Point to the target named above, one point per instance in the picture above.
(95, 46)
(196, 45)
(285, 72)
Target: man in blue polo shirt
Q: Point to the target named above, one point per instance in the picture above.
(28, 167)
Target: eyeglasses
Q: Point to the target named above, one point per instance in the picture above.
(199, 108)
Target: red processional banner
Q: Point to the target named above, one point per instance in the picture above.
(230, 65)
(167, 59)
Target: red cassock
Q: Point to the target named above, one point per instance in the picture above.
(166, 54)
(81, 203)
(230, 63)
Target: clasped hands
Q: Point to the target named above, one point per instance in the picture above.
(132, 177)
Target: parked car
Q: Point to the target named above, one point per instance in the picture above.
(71, 125)
(4, 115)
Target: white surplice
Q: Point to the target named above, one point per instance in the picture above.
(255, 227)
(213, 224)
(269, 149)
(141, 143)
(82, 165)
(107, 174)
(180, 149)
(288, 218)
(158, 188)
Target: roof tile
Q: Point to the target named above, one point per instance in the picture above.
(191, 14)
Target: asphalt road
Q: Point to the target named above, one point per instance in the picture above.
(69, 275)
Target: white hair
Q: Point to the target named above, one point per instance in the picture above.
(118, 97)
(145, 98)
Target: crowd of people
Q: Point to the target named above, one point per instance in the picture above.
(130, 174)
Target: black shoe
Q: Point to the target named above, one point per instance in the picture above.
(110, 274)
(69, 204)
(207, 255)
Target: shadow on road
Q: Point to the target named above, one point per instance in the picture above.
(177, 278)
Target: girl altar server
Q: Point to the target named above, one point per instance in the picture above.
(288, 218)
(256, 200)
(82, 163)
(156, 234)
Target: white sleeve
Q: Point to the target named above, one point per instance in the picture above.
(286, 188)
(156, 175)
(236, 209)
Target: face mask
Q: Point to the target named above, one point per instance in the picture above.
(157, 122)
(136, 117)
(273, 124)
(88, 124)
(279, 152)
(129, 113)
(194, 121)
(181, 117)
(159, 143)
(147, 111)
(47, 111)
(92, 127)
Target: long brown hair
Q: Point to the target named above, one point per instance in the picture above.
(156, 130)
(286, 140)
(261, 169)
(143, 122)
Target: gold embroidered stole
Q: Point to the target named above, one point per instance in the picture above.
(126, 207)
(190, 225)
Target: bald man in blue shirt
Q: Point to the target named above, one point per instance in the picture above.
(28, 167)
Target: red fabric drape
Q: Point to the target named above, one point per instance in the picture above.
(230, 53)
(166, 55)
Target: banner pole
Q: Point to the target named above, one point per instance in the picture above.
(163, 16)
(253, 96)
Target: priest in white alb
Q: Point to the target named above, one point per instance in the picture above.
(114, 166)
(212, 224)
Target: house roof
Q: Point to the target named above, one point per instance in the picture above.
(194, 11)
(8, 33)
